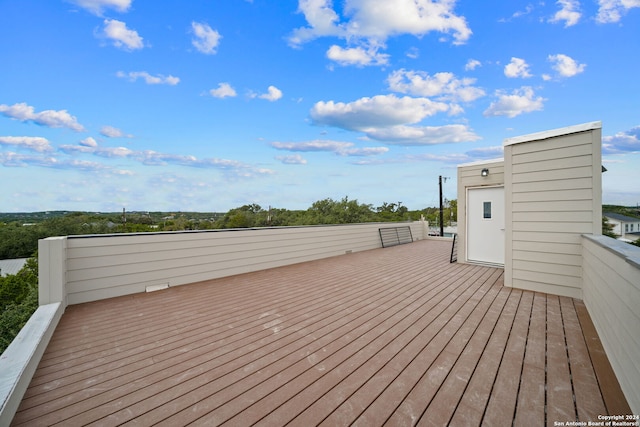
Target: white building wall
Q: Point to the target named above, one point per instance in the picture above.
(611, 274)
(553, 195)
(88, 268)
(469, 176)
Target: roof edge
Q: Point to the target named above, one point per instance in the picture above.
(481, 162)
(552, 133)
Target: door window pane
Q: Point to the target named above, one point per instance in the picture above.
(487, 210)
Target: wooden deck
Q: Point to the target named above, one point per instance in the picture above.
(395, 336)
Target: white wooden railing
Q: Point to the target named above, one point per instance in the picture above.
(611, 293)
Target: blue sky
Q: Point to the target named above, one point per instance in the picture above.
(207, 105)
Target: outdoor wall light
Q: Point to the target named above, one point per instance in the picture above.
(485, 172)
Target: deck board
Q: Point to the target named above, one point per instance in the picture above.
(395, 336)
(559, 386)
(501, 407)
(532, 383)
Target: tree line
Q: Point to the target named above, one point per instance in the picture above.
(19, 235)
(18, 301)
(20, 240)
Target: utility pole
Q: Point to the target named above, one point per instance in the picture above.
(441, 213)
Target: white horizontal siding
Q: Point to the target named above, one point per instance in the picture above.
(548, 257)
(553, 164)
(571, 184)
(544, 268)
(554, 227)
(99, 267)
(568, 148)
(537, 236)
(553, 175)
(556, 216)
(562, 205)
(551, 188)
(612, 296)
(549, 195)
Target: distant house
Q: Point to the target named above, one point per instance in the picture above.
(11, 266)
(626, 227)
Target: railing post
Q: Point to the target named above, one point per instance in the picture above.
(52, 270)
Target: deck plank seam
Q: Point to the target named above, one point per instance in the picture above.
(480, 322)
(407, 344)
(314, 402)
(569, 360)
(396, 308)
(495, 379)
(443, 273)
(390, 291)
(465, 306)
(310, 298)
(526, 342)
(484, 348)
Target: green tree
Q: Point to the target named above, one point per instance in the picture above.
(392, 212)
(607, 228)
(19, 299)
(246, 216)
(345, 211)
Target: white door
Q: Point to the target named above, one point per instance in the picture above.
(485, 225)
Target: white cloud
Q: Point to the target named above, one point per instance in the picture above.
(111, 152)
(364, 152)
(380, 19)
(273, 94)
(517, 68)
(445, 86)
(528, 9)
(231, 168)
(423, 135)
(121, 36)
(34, 143)
(98, 6)
(19, 160)
(472, 64)
(224, 90)
(112, 132)
(413, 53)
(569, 12)
(494, 152)
(148, 78)
(295, 159)
(322, 20)
(370, 23)
(89, 142)
(311, 146)
(520, 101)
(49, 118)
(378, 111)
(337, 147)
(565, 65)
(451, 158)
(206, 39)
(622, 142)
(610, 11)
(357, 56)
